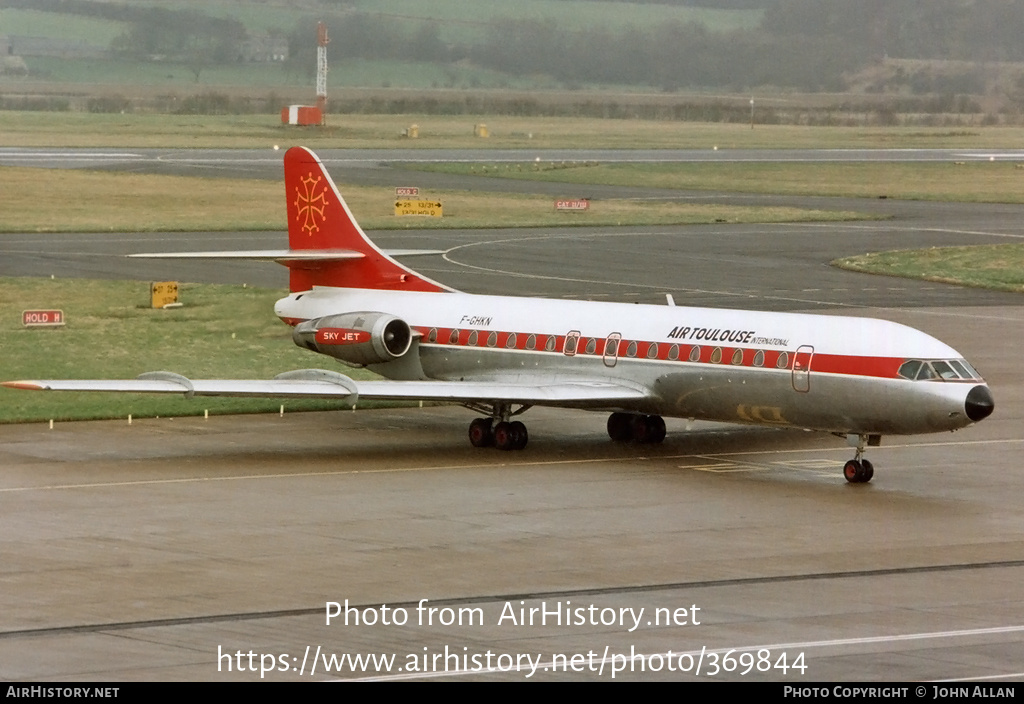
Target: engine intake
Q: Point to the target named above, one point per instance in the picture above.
(356, 338)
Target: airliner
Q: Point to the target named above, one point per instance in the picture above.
(349, 300)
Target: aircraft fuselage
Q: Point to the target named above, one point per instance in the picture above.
(834, 373)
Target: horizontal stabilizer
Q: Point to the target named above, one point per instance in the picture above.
(267, 255)
(284, 255)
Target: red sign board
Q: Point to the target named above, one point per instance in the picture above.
(406, 191)
(572, 204)
(42, 318)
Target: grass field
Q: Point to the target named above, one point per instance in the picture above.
(75, 129)
(460, 21)
(999, 267)
(457, 24)
(126, 202)
(457, 21)
(990, 182)
(112, 333)
(32, 23)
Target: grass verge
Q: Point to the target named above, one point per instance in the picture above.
(136, 131)
(991, 182)
(999, 267)
(77, 201)
(221, 332)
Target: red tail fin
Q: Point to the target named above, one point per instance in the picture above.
(319, 219)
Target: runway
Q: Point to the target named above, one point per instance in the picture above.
(191, 549)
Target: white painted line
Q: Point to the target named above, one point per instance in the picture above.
(551, 666)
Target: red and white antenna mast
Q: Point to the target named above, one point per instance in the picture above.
(321, 67)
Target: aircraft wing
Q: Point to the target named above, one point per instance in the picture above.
(319, 383)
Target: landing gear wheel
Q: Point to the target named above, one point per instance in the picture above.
(858, 471)
(520, 434)
(620, 427)
(869, 471)
(480, 432)
(647, 429)
(656, 424)
(852, 471)
(510, 436)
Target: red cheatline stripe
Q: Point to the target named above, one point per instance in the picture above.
(851, 365)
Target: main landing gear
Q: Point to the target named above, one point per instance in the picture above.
(504, 434)
(857, 470)
(626, 427)
(500, 431)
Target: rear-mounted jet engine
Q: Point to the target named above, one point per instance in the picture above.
(356, 338)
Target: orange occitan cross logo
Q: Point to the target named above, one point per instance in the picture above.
(310, 204)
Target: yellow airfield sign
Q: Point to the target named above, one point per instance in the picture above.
(163, 293)
(431, 208)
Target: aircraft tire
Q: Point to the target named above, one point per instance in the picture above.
(520, 435)
(510, 436)
(647, 429)
(869, 471)
(481, 433)
(853, 471)
(620, 427)
(657, 428)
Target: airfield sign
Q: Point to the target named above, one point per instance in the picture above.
(431, 208)
(42, 318)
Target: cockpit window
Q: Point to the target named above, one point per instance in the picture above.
(944, 369)
(968, 372)
(909, 369)
(962, 368)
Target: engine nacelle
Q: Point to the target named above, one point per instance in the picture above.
(356, 338)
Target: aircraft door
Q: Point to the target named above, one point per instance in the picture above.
(611, 349)
(802, 368)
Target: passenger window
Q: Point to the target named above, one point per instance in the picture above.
(453, 339)
(571, 341)
(510, 343)
(492, 339)
(716, 355)
(695, 354)
(759, 358)
(531, 342)
(737, 357)
(549, 346)
(631, 350)
(652, 351)
(673, 352)
(432, 335)
(473, 338)
(783, 362)
(592, 345)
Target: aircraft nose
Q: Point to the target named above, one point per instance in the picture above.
(979, 404)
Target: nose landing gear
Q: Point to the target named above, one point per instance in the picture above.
(857, 470)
